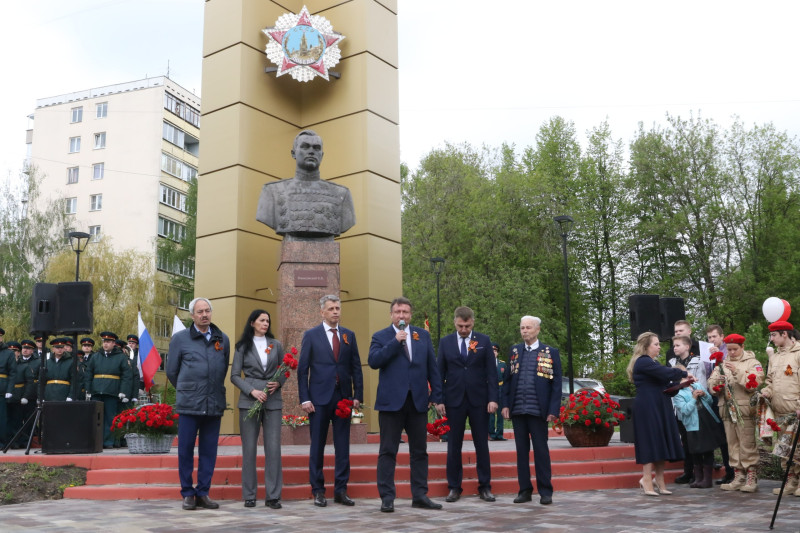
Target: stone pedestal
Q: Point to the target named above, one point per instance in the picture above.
(308, 271)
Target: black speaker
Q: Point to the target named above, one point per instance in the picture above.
(72, 427)
(75, 309)
(671, 310)
(43, 308)
(644, 314)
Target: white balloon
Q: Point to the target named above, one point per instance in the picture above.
(772, 309)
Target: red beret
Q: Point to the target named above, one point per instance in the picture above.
(781, 325)
(733, 338)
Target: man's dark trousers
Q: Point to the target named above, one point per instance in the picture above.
(188, 428)
(319, 420)
(529, 428)
(479, 424)
(392, 424)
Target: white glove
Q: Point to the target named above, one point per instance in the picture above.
(124, 400)
(88, 396)
(69, 399)
(24, 401)
(8, 395)
(135, 400)
(121, 395)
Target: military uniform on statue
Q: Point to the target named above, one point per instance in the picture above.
(469, 381)
(532, 399)
(328, 372)
(407, 365)
(108, 375)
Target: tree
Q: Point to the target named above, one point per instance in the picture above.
(177, 257)
(31, 232)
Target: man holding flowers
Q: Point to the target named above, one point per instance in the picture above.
(329, 377)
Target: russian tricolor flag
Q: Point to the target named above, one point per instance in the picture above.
(149, 358)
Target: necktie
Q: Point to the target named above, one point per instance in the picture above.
(529, 348)
(335, 344)
(464, 347)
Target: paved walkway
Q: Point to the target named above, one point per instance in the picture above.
(618, 511)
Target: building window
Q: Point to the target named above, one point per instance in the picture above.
(171, 229)
(102, 110)
(182, 109)
(95, 202)
(173, 134)
(70, 206)
(98, 171)
(74, 144)
(99, 140)
(77, 114)
(163, 327)
(94, 231)
(173, 198)
(183, 268)
(72, 175)
(177, 168)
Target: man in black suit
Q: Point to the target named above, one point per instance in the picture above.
(407, 365)
(469, 381)
(532, 400)
(328, 372)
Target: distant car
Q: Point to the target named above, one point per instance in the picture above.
(584, 383)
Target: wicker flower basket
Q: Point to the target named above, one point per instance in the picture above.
(581, 437)
(148, 443)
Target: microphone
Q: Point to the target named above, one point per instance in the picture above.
(402, 327)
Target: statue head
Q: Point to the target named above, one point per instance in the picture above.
(307, 150)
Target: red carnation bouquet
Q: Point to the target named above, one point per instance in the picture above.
(344, 408)
(439, 426)
(152, 419)
(288, 364)
(589, 408)
(730, 400)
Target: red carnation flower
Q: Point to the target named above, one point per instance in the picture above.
(598, 421)
(588, 422)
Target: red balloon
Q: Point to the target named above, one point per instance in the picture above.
(787, 310)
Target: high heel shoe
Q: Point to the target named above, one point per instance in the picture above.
(661, 490)
(647, 492)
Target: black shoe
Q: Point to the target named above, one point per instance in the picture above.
(545, 500)
(105, 447)
(486, 495)
(425, 503)
(523, 496)
(189, 503)
(454, 496)
(273, 504)
(684, 478)
(343, 498)
(319, 499)
(730, 474)
(249, 503)
(387, 506)
(205, 502)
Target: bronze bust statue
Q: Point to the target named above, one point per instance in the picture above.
(306, 208)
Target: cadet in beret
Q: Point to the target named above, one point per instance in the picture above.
(108, 375)
(59, 373)
(23, 393)
(8, 369)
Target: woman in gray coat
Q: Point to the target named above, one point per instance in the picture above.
(256, 360)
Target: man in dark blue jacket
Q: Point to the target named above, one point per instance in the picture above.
(469, 381)
(531, 399)
(196, 366)
(407, 365)
(328, 372)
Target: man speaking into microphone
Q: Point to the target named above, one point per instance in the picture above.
(406, 363)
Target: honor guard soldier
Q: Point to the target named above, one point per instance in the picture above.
(59, 373)
(8, 369)
(2, 335)
(23, 393)
(40, 350)
(69, 345)
(87, 346)
(108, 376)
(133, 345)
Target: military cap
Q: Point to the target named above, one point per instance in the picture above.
(121, 343)
(87, 340)
(13, 344)
(57, 342)
(29, 343)
(108, 336)
(2, 331)
(133, 338)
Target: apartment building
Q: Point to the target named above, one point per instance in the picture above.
(120, 159)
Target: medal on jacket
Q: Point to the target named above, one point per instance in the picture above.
(544, 367)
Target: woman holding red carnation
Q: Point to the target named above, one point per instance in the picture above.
(742, 371)
(256, 360)
(655, 428)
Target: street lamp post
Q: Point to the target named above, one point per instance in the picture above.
(437, 265)
(78, 240)
(565, 225)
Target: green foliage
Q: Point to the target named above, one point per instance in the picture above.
(31, 232)
(183, 252)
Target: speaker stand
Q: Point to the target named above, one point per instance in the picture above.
(37, 414)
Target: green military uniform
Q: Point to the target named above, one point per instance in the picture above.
(8, 369)
(107, 376)
(25, 375)
(59, 376)
(82, 362)
(496, 422)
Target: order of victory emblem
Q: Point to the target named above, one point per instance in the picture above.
(303, 45)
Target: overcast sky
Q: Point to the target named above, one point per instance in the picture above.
(484, 72)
